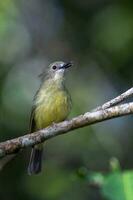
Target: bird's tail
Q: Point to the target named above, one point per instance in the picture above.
(35, 164)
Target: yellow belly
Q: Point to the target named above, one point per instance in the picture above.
(53, 108)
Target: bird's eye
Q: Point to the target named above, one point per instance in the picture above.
(54, 67)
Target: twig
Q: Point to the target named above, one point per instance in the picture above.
(14, 145)
(116, 100)
(5, 160)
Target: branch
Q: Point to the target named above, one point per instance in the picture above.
(5, 160)
(14, 145)
(117, 100)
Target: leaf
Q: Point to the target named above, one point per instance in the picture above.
(118, 186)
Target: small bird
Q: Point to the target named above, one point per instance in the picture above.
(52, 104)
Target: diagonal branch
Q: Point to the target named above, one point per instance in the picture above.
(14, 145)
(117, 100)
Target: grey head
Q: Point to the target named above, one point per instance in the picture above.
(56, 70)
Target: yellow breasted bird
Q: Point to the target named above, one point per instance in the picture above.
(52, 104)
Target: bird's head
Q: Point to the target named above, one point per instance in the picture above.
(55, 72)
(57, 69)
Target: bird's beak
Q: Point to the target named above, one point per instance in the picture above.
(66, 65)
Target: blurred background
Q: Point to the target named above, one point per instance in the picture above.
(97, 35)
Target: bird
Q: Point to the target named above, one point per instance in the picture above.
(51, 104)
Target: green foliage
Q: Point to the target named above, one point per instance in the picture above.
(115, 185)
(118, 186)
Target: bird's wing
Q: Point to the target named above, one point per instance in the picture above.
(32, 124)
(32, 120)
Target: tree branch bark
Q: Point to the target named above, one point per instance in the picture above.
(14, 145)
(117, 100)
